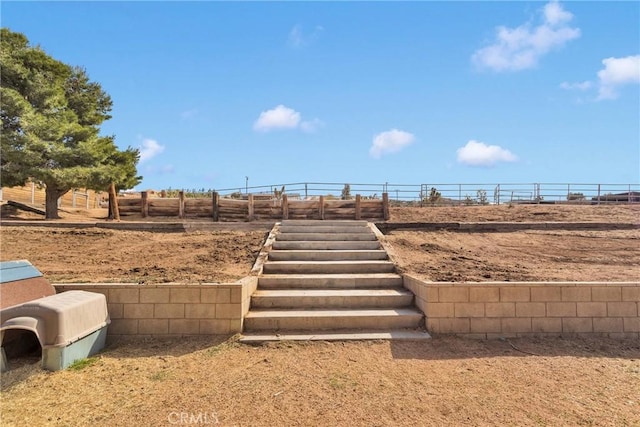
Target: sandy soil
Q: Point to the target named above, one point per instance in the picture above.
(519, 256)
(519, 213)
(507, 213)
(99, 255)
(444, 382)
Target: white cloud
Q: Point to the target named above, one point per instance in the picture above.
(390, 142)
(149, 148)
(520, 48)
(280, 117)
(298, 39)
(576, 86)
(477, 153)
(295, 36)
(617, 72)
(555, 15)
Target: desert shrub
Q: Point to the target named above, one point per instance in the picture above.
(575, 196)
(481, 197)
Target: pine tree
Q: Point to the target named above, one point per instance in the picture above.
(51, 115)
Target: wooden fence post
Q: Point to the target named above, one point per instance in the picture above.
(145, 204)
(250, 208)
(358, 212)
(321, 207)
(385, 205)
(181, 204)
(285, 207)
(216, 210)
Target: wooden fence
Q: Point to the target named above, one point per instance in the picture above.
(35, 195)
(254, 208)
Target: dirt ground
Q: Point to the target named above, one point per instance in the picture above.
(519, 213)
(501, 213)
(446, 381)
(101, 255)
(443, 256)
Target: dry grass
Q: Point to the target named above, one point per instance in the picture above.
(447, 381)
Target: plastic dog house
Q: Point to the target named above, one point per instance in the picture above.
(69, 326)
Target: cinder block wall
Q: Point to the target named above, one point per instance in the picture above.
(511, 309)
(172, 309)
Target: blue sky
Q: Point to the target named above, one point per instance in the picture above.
(360, 92)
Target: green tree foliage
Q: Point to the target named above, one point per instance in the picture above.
(346, 192)
(51, 116)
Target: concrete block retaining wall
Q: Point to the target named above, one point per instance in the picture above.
(475, 310)
(173, 309)
(511, 309)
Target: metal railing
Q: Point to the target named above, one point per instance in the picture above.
(456, 194)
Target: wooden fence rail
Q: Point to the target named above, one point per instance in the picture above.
(33, 194)
(254, 209)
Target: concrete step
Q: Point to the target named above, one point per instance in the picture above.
(310, 236)
(329, 281)
(323, 229)
(327, 267)
(323, 223)
(347, 335)
(326, 245)
(332, 298)
(335, 255)
(314, 320)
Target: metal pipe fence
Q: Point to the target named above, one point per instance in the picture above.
(452, 194)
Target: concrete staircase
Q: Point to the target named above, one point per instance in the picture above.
(330, 280)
